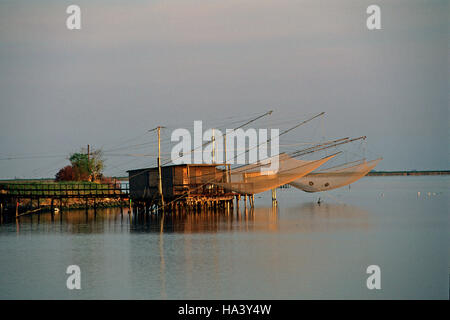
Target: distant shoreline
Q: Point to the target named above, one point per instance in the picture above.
(409, 173)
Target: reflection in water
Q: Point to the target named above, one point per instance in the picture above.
(207, 221)
(308, 217)
(162, 269)
(169, 244)
(311, 217)
(298, 250)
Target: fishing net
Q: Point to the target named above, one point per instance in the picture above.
(251, 179)
(335, 177)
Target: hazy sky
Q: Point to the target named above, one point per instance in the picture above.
(138, 64)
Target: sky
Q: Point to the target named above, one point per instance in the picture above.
(137, 64)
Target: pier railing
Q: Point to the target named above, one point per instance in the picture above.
(60, 190)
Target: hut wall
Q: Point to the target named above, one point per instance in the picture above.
(167, 181)
(176, 181)
(180, 180)
(139, 187)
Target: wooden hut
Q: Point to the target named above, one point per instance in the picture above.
(187, 184)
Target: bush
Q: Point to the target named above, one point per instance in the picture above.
(65, 174)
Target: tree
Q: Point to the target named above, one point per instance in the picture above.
(65, 174)
(96, 164)
(80, 165)
(83, 167)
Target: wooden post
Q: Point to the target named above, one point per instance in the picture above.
(274, 197)
(17, 208)
(89, 159)
(225, 154)
(213, 146)
(159, 167)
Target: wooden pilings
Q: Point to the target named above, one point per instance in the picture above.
(274, 197)
(193, 205)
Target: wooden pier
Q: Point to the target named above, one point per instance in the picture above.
(173, 188)
(55, 193)
(53, 190)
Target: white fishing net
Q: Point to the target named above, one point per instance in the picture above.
(335, 177)
(250, 179)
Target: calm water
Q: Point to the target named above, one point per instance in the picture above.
(300, 251)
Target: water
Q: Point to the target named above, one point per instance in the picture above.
(300, 251)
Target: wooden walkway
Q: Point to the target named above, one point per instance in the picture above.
(11, 194)
(53, 190)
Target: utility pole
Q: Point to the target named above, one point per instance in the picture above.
(159, 167)
(89, 157)
(227, 166)
(160, 191)
(213, 146)
(225, 156)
